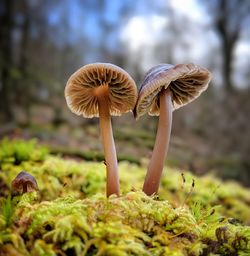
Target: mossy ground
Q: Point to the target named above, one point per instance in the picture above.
(71, 216)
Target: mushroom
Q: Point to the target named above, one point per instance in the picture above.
(165, 88)
(23, 183)
(101, 90)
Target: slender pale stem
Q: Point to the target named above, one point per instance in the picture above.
(156, 164)
(113, 186)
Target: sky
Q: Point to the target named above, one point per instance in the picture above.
(152, 28)
(149, 30)
(146, 27)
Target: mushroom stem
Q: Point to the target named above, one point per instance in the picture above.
(155, 167)
(113, 186)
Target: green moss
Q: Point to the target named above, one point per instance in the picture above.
(90, 155)
(7, 211)
(20, 151)
(70, 215)
(133, 224)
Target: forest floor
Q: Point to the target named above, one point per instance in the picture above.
(134, 143)
(70, 214)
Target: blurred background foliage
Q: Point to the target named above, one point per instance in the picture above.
(43, 42)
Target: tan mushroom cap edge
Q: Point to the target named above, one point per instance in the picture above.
(186, 83)
(80, 90)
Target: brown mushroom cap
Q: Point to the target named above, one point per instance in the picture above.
(186, 83)
(24, 182)
(82, 86)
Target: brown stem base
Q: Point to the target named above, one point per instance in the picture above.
(156, 164)
(113, 186)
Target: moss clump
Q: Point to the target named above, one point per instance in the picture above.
(133, 224)
(71, 216)
(20, 151)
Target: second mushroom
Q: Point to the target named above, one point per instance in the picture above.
(165, 88)
(101, 90)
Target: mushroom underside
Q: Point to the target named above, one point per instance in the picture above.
(82, 87)
(184, 90)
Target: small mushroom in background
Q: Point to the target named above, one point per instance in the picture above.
(23, 183)
(101, 90)
(165, 88)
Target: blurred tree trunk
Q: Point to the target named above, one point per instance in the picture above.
(23, 60)
(228, 49)
(7, 22)
(230, 18)
(229, 38)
